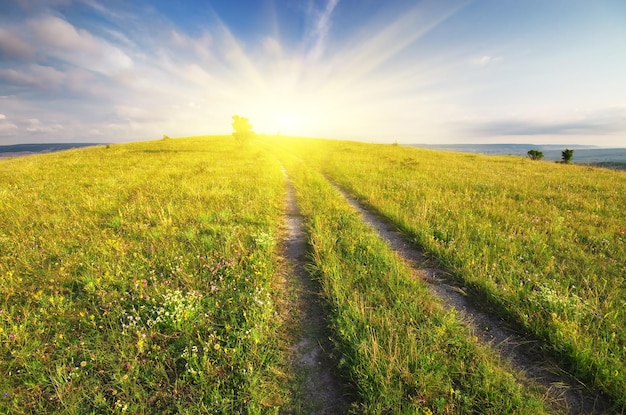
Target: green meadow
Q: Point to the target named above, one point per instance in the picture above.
(543, 243)
(137, 278)
(147, 277)
(399, 348)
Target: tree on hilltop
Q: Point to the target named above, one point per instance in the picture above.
(535, 154)
(243, 129)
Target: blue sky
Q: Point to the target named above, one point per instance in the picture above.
(411, 71)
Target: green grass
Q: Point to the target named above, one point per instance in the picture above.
(147, 277)
(545, 243)
(137, 278)
(400, 349)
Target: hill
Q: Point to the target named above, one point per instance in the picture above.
(151, 278)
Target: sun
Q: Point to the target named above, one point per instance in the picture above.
(284, 114)
(277, 119)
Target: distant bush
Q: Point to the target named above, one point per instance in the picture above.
(567, 155)
(535, 154)
(166, 137)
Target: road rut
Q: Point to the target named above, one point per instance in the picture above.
(318, 390)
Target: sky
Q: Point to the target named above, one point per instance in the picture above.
(405, 71)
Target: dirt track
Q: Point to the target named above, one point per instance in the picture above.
(319, 390)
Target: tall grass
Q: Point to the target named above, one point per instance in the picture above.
(400, 349)
(137, 278)
(543, 242)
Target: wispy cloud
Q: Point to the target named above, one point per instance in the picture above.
(34, 6)
(12, 46)
(317, 35)
(370, 49)
(7, 129)
(60, 39)
(26, 126)
(38, 76)
(199, 48)
(485, 60)
(599, 122)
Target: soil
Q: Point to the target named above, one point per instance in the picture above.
(526, 354)
(318, 389)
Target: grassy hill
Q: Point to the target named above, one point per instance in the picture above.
(145, 277)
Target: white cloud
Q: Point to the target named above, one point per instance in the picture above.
(3, 117)
(41, 77)
(60, 39)
(319, 30)
(598, 122)
(53, 80)
(34, 125)
(7, 128)
(198, 47)
(130, 113)
(484, 60)
(103, 10)
(12, 46)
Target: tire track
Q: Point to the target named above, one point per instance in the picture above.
(524, 353)
(318, 389)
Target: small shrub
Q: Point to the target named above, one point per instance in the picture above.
(535, 154)
(567, 155)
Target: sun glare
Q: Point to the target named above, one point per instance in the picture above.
(268, 117)
(288, 123)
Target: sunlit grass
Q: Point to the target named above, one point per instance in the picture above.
(400, 349)
(142, 278)
(136, 278)
(543, 242)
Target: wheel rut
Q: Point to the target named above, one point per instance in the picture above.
(318, 389)
(525, 354)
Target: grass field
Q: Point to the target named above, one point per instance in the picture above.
(145, 277)
(136, 278)
(400, 349)
(545, 243)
